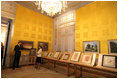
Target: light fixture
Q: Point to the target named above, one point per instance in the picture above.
(51, 7)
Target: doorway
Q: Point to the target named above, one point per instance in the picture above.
(5, 39)
(67, 39)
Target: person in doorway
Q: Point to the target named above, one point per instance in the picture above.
(2, 50)
(38, 58)
(17, 50)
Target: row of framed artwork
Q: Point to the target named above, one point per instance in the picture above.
(104, 60)
(28, 45)
(93, 46)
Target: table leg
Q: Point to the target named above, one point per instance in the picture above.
(80, 71)
(48, 64)
(68, 69)
(75, 71)
(54, 64)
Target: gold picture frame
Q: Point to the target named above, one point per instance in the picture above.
(75, 56)
(56, 55)
(66, 56)
(91, 46)
(87, 58)
(51, 53)
(45, 54)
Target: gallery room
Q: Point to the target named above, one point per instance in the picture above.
(58, 39)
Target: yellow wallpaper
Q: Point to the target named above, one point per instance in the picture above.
(32, 26)
(96, 21)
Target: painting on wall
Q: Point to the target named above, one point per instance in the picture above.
(56, 54)
(66, 56)
(26, 45)
(112, 46)
(109, 61)
(91, 46)
(87, 59)
(75, 56)
(32, 52)
(44, 45)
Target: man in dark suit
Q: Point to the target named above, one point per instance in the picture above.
(17, 50)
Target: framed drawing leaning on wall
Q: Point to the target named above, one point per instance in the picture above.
(50, 54)
(75, 56)
(45, 54)
(56, 55)
(87, 59)
(109, 61)
(66, 57)
(112, 44)
(91, 46)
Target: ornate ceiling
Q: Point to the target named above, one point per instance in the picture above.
(71, 5)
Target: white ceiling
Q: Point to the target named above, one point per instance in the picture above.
(72, 5)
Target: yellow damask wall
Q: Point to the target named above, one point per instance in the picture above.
(96, 21)
(31, 26)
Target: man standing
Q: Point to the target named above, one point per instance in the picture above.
(17, 50)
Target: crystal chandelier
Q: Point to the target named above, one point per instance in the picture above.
(51, 7)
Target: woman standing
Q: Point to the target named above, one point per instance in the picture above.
(38, 58)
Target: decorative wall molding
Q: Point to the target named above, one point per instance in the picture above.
(8, 9)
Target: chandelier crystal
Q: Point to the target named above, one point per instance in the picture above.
(51, 7)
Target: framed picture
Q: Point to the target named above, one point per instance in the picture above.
(87, 59)
(56, 54)
(91, 46)
(75, 56)
(32, 52)
(44, 45)
(45, 54)
(109, 61)
(50, 54)
(112, 46)
(26, 45)
(66, 56)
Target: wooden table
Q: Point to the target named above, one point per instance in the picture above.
(81, 67)
(109, 70)
(56, 60)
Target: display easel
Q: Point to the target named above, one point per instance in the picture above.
(32, 60)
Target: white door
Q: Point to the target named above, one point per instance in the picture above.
(70, 44)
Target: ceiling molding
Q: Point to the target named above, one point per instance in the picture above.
(72, 5)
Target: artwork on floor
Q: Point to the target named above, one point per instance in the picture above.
(87, 59)
(26, 45)
(109, 61)
(91, 46)
(75, 56)
(56, 54)
(66, 56)
(112, 46)
(44, 45)
(50, 54)
(32, 52)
